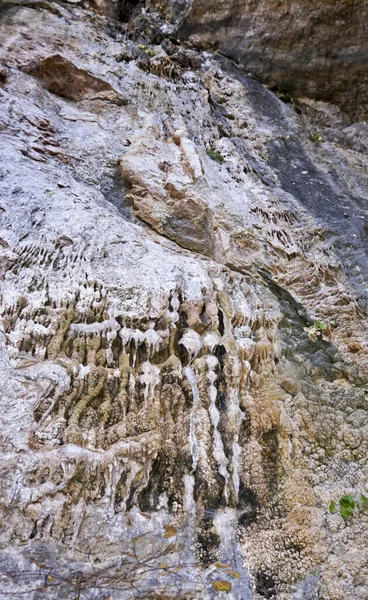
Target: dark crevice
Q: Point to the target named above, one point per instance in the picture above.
(221, 322)
(247, 505)
(284, 295)
(127, 9)
(265, 585)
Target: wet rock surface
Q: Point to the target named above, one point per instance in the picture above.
(183, 343)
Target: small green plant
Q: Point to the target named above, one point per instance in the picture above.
(146, 49)
(315, 137)
(215, 156)
(318, 331)
(363, 501)
(347, 505)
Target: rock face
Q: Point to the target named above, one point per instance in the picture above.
(59, 76)
(310, 48)
(183, 342)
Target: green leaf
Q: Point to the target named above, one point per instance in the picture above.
(363, 501)
(346, 512)
(347, 502)
(332, 507)
(347, 505)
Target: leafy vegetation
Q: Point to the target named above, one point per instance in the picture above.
(215, 156)
(146, 50)
(316, 137)
(318, 331)
(347, 505)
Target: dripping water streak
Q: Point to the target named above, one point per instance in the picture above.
(219, 452)
(225, 523)
(190, 375)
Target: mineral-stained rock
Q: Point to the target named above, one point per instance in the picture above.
(170, 429)
(289, 386)
(60, 76)
(161, 177)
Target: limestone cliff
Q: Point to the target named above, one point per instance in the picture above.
(314, 48)
(183, 342)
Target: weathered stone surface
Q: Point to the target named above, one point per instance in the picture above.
(162, 263)
(59, 76)
(313, 48)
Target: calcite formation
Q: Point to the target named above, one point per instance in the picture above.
(183, 342)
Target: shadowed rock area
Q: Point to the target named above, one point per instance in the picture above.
(317, 49)
(183, 310)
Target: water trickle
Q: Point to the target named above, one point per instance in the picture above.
(235, 417)
(191, 376)
(113, 474)
(84, 371)
(225, 523)
(150, 338)
(211, 340)
(175, 302)
(131, 390)
(4, 360)
(219, 452)
(189, 504)
(235, 465)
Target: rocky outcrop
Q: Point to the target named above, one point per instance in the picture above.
(59, 76)
(314, 49)
(183, 343)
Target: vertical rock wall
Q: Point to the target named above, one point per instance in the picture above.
(183, 343)
(315, 49)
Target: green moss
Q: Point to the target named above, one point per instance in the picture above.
(215, 156)
(56, 342)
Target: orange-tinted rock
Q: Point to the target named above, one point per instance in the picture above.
(60, 76)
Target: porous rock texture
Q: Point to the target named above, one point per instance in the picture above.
(172, 425)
